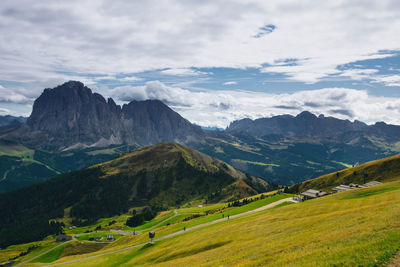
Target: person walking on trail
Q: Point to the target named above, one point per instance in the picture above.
(223, 215)
(184, 228)
(228, 217)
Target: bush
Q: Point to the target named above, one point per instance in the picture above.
(135, 220)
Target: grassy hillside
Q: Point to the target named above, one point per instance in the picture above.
(161, 176)
(383, 170)
(165, 223)
(354, 228)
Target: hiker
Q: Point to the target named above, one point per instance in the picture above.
(184, 228)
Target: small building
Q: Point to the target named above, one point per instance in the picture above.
(356, 186)
(311, 193)
(298, 198)
(110, 238)
(372, 183)
(342, 188)
(62, 237)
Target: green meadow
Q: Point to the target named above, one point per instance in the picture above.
(354, 228)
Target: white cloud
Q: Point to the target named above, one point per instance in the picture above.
(183, 72)
(41, 38)
(16, 95)
(230, 83)
(211, 108)
(388, 80)
(4, 111)
(359, 74)
(131, 79)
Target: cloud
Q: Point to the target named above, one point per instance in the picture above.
(219, 108)
(230, 83)
(17, 95)
(359, 74)
(45, 38)
(4, 111)
(388, 80)
(131, 79)
(183, 72)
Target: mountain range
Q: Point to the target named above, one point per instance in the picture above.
(307, 124)
(9, 120)
(72, 128)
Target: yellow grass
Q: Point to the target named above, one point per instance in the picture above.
(383, 170)
(355, 228)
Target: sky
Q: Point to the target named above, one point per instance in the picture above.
(212, 61)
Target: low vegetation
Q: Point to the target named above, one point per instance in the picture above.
(337, 230)
(383, 170)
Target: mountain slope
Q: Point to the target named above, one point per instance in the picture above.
(383, 170)
(159, 176)
(354, 228)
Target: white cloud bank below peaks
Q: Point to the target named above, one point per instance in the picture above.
(219, 108)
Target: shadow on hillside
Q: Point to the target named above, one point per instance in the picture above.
(189, 252)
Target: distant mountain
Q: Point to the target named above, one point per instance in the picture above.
(71, 116)
(8, 120)
(159, 176)
(307, 124)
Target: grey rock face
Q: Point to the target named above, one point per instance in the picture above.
(151, 121)
(71, 116)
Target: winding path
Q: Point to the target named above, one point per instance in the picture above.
(123, 232)
(268, 206)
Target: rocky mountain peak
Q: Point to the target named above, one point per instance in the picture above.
(72, 116)
(306, 115)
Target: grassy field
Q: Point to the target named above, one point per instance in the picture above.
(94, 235)
(207, 208)
(16, 150)
(73, 248)
(256, 163)
(16, 250)
(51, 256)
(168, 227)
(354, 228)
